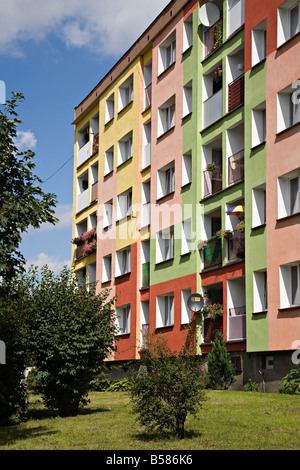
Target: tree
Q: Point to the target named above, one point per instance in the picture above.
(72, 332)
(22, 201)
(220, 368)
(170, 387)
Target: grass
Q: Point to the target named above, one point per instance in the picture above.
(228, 421)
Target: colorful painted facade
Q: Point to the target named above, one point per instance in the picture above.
(179, 164)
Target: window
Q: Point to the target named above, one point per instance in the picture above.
(259, 125)
(289, 285)
(259, 42)
(186, 168)
(106, 268)
(123, 319)
(125, 148)
(165, 245)
(82, 191)
(235, 15)
(166, 180)
(185, 311)
(123, 261)
(288, 21)
(146, 144)
(289, 194)
(187, 33)
(124, 204)
(186, 235)
(259, 206)
(164, 310)
(146, 203)
(167, 53)
(107, 213)
(126, 93)
(109, 108)
(260, 293)
(166, 116)
(109, 161)
(187, 99)
(288, 107)
(83, 140)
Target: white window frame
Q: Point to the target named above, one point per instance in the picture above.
(125, 148)
(289, 285)
(284, 21)
(124, 204)
(125, 93)
(109, 161)
(258, 134)
(167, 53)
(260, 292)
(288, 107)
(186, 314)
(187, 33)
(107, 268)
(109, 108)
(165, 245)
(123, 314)
(166, 180)
(166, 116)
(123, 261)
(259, 206)
(107, 213)
(165, 310)
(187, 99)
(186, 168)
(186, 236)
(285, 194)
(259, 43)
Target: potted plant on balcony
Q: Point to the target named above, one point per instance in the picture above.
(212, 311)
(78, 241)
(224, 233)
(90, 248)
(211, 166)
(241, 226)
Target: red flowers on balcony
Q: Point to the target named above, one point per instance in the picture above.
(86, 243)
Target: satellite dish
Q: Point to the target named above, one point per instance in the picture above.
(195, 302)
(209, 14)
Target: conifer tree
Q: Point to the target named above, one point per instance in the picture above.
(220, 368)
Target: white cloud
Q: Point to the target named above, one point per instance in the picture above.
(54, 263)
(63, 212)
(101, 26)
(25, 140)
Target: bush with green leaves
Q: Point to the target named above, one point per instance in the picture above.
(291, 382)
(220, 368)
(168, 387)
(72, 332)
(251, 386)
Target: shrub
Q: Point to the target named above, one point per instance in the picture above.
(221, 371)
(251, 386)
(291, 382)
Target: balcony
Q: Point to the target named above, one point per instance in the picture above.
(236, 92)
(94, 192)
(213, 38)
(237, 323)
(212, 180)
(145, 275)
(213, 108)
(236, 246)
(235, 16)
(83, 154)
(212, 253)
(210, 325)
(148, 96)
(82, 200)
(236, 168)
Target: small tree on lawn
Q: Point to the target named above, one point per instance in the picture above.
(72, 332)
(221, 371)
(170, 387)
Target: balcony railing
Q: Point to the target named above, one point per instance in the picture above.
(210, 326)
(213, 108)
(236, 92)
(82, 200)
(236, 168)
(83, 154)
(94, 194)
(212, 181)
(237, 323)
(213, 253)
(236, 246)
(145, 275)
(213, 37)
(148, 96)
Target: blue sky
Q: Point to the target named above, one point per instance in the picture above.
(55, 53)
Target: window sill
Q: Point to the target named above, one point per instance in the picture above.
(125, 107)
(122, 275)
(160, 199)
(261, 144)
(123, 163)
(161, 136)
(164, 72)
(287, 217)
(288, 41)
(292, 307)
(261, 312)
(158, 263)
(281, 133)
(259, 226)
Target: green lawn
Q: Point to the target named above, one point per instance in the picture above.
(228, 421)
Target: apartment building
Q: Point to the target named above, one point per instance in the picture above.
(186, 179)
